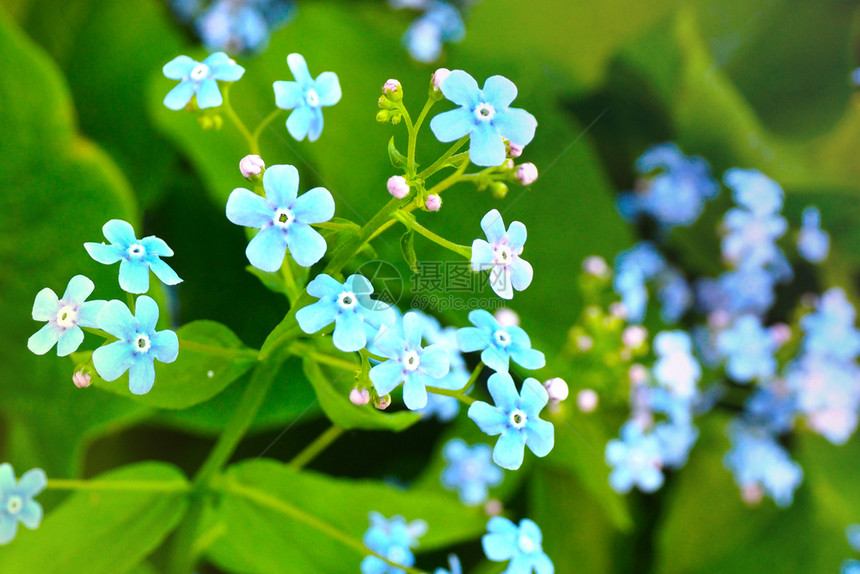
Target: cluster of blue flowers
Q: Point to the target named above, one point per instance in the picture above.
(440, 22)
(16, 500)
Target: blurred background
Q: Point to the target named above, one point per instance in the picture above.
(762, 84)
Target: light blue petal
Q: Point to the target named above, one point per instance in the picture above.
(470, 339)
(650, 479)
(165, 346)
(349, 335)
(434, 361)
(146, 313)
(44, 339)
(461, 88)
(499, 547)
(102, 253)
(328, 88)
(521, 274)
(141, 376)
(31, 514)
(516, 125)
(112, 360)
(482, 255)
(490, 420)
(484, 321)
(267, 249)
(307, 246)
(116, 319)
(316, 316)
(540, 436)
(179, 96)
(314, 206)
(386, 376)
(7, 478)
(486, 147)
(315, 127)
(281, 183)
(70, 341)
(542, 564)
(79, 288)
(179, 67)
(156, 246)
(533, 397)
(325, 286)
(389, 342)
(8, 528)
(493, 225)
(455, 450)
(223, 68)
(412, 329)
(32, 482)
(500, 282)
(208, 94)
(517, 235)
(246, 208)
(288, 95)
(496, 359)
(528, 358)
(46, 305)
(134, 276)
(119, 232)
(299, 68)
(499, 92)
(164, 271)
(299, 122)
(414, 392)
(452, 125)
(509, 450)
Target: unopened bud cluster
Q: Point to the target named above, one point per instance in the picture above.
(389, 102)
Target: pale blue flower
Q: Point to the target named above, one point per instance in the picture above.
(754, 191)
(522, 545)
(751, 237)
(16, 500)
(199, 79)
(306, 96)
(443, 407)
(138, 347)
(637, 460)
(240, 25)
(470, 471)
(852, 533)
(64, 317)
(749, 348)
(498, 345)
(676, 441)
(284, 219)
(813, 243)
(676, 368)
(453, 566)
(830, 329)
(440, 23)
(136, 256)
(500, 253)
(409, 363)
(394, 539)
(850, 567)
(348, 305)
(633, 269)
(483, 115)
(515, 417)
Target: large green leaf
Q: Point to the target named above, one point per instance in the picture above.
(103, 531)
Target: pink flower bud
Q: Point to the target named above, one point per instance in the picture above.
(251, 166)
(359, 397)
(391, 86)
(515, 150)
(584, 343)
(383, 403)
(586, 400)
(509, 164)
(596, 265)
(638, 374)
(439, 77)
(493, 507)
(557, 389)
(397, 186)
(82, 380)
(633, 336)
(618, 310)
(527, 173)
(752, 493)
(781, 333)
(433, 203)
(506, 317)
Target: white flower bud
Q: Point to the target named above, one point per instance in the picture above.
(634, 336)
(596, 265)
(586, 400)
(251, 166)
(82, 380)
(433, 202)
(439, 77)
(557, 389)
(397, 186)
(506, 317)
(527, 173)
(359, 397)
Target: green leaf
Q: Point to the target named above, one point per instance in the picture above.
(103, 531)
(211, 357)
(273, 515)
(398, 160)
(407, 246)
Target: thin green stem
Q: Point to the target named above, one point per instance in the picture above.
(381, 229)
(130, 299)
(474, 377)
(300, 350)
(410, 222)
(314, 449)
(455, 177)
(118, 485)
(292, 288)
(240, 125)
(413, 134)
(448, 393)
(258, 131)
(437, 165)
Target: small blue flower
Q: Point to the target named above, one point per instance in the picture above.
(676, 441)
(674, 294)
(483, 115)
(773, 406)
(501, 255)
(16, 501)
(515, 417)
(64, 317)
(830, 329)
(852, 533)
(199, 79)
(633, 269)
(453, 566)
(749, 348)
(850, 567)
(348, 305)
(443, 407)
(393, 539)
(519, 544)
(470, 471)
(636, 459)
(813, 243)
(136, 257)
(754, 191)
(240, 25)
(138, 347)
(440, 23)
(409, 363)
(751, 238)
(676, 367)
(284, 219)
(498, 345)
(307, 97)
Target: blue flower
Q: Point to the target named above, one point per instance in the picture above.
(636, 459)
(453, 566)
(519, 544)
(483, 115)
(501, 255)
(242, 25)
(751, 238)
(470, 471)
(515, 417)
(813, 243)
(199, 79)
(773, 406)
(676, 441)
(137, 257)
(852, 533)
(348, 305)
(674, 294)
(138, 346)
(850, 567)
(830, 329)
(633, 269)
(425, 36)
(746, 290)
(409, 363)
(749, 348)
(284, 219)
(307, 97)
(498, 345)
(443, 407)
(16, 501)
(676, 368)
(393, 539)
(754, 191)
(64, 317)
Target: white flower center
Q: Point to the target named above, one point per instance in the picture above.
(199, 72)
(283, 218)
(312, 98)
(484, 112)
(526, 544)
(347, 300)
(502, 338)
(136, 250)
(411, 361)
(67, 316)
(14, 504)
(142, 343)
(518, 419)
(502, 255)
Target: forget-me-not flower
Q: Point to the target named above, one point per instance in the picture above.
(138, 347)
(454, 566)
(200, 79)
(500, 253)
(676, 440)
(16, 500)
(394, 539)
(676, 367)
(408, 362)
(441, 23)
(830, 329)
(136, 256)
(749, 348)
(498, 345)
(443, 407)
(850, 567)
(633, 269)
(637, 460)
(348, 305)
(520, 544)
(306, 96)
(470, 471)
(852, 533)
(284, 219)
(483, 115)
(813, 243)
(515, 417)
(239, 25)
(64, 317)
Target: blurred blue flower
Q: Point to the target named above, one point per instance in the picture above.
(64, 317)
(199, 79)
(501, 255)
(676, 368)
(348, 305)
(633, 269)
(519, 544)
(754, 191)
(636, 460)
(813, 243)
(772, 406)
(138, 347)
(498, 345)
(16, 500)
(850, 567)
(236, 25)
(830, 329)
(515, 417)
(306, 96)
(750, 240)
(749, 290)
(749, 348)
(470, 471)
(284, 219)
(674, 294)
(136, 257)
(852, 533)
(439, 24)
(409, 363)
(443, 407)
(394, 539)
(483, 115)
(453, 566)
(676, 441)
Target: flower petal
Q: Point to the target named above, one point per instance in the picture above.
(517, 235)
(32, 482)
(534, 397)
(281, 183)
(490, 420)
(146, 313)
(500, 281)
(414, 392)
(299, 122)
(299, 68)
(8, 528)
(112, 360)
(164, 272)
(499, 92)
(328, 88)
(165, 346)
(46, 305)
(386, 376)
(521, 274)
(528, 358)
(482, 255)
(516, 125)
(314, 206)
(134, 276)
(70, 341)
(288, 95)
(246, 208)
(499, 547)
(486, 147)
(504, 391)
(141, 376)
(267, 249)
(102, 253)
(452, 125)
(484, 321)
(349, 335)
(412, 329)
(44, 339)
(208, 94)
(540, 436)
(179, 67)
(493, 225)
(79, 288)
(119, 232)
(156, 246)
(434, 361)
(179, 96)
(116, 319)
(461, 88)
(31, 514)
(497, 359)
(470, 339)
(509, 450)
(314, 317)
(315, 127)
(7, 478)
(307, 246)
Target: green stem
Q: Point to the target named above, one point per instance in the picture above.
(455, 177)
(263, 124)
(314, 449)
(240, 125)
(413, 133)
(290, 284)
(448, 393)
(300, 350)
(118, 485)
(437, 165)
(410, 222)
(474, 377)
